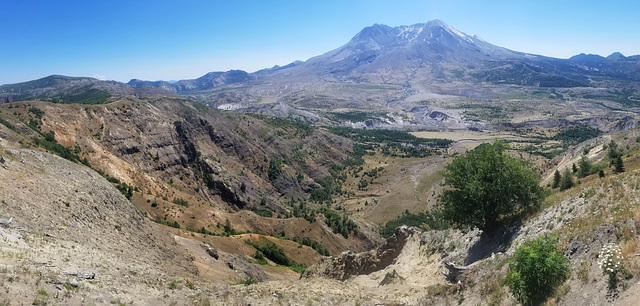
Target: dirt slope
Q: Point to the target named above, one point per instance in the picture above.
(71, 218)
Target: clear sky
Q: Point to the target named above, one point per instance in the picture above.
(171, 40)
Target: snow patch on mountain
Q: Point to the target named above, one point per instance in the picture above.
(410, 33)
(455, 32)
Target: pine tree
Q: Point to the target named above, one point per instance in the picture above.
(556, 179)
(584, 166)
(615, 158)
(618, 166)
(567, 180)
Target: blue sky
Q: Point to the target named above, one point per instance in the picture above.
(171, 40)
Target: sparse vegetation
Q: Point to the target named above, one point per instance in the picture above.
(249, 280)
(355, 116)
(299, 128)
(615, 157)
(275, 169)
(334, 198)
(426, 221)
(49, 143)
(8, 124)
(576, 134)
(181, 202)
(391, 143)
(566, 181)
(537, 269)
(313, 244)
(174, 224)
(126, 189)
(85, 95)
(277, 255)
(339, 224)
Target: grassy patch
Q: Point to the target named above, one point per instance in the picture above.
(355, 116)
(277, 255)
(181, 202)
(425, 221)
(576, 134)
(8, 125)
(174, 224)
(83, 95)
(387, 136)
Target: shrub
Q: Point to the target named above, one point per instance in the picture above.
(173, 284)
(537, 269)
(566, 181)
(249, 280)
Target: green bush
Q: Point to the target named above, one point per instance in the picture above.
(537, 269)
(259, 257)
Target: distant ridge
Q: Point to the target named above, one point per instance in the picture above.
(408, 61)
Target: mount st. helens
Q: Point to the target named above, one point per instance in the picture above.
(424, 76)
(406, 76)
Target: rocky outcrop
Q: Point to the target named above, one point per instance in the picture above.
(351, 264)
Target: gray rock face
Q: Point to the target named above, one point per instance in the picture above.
(213, 253)
(350, 263)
